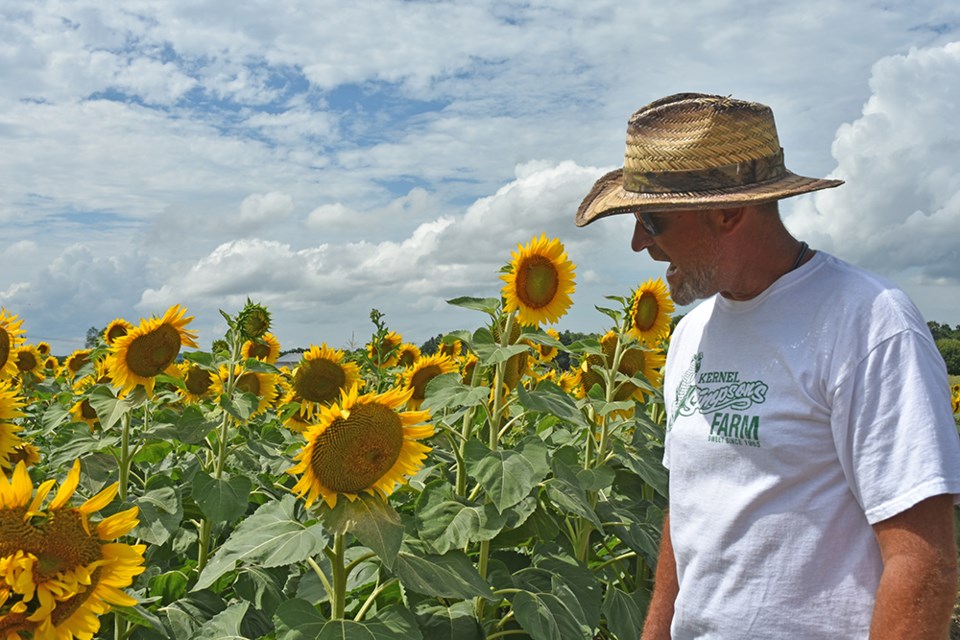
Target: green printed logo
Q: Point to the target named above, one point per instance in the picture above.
(725, 400)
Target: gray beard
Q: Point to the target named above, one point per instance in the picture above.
(695, 285)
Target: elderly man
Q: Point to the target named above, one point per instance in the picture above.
(814, 462)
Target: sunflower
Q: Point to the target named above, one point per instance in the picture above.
(361, 444)
(11, 337)
(116, 330)
(29, 361)
(83, 411)
(51, 364)
(452, 349)
(262, 385)
(149, 350)
(10, 405)
(25, 452)
(386, 353)
(266, 348)
(299, 420)
(43, 348)
(58, 573)
(321, 377)
(539, 282)
(468, 365)
(634, 360)
(546, 352)
(76, 361)
(650, 311)
(407, 354)
(197, 382)
(424, 370)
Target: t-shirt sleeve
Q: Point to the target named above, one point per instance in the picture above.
(893, 426)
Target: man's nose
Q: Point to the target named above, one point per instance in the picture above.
(641, 239)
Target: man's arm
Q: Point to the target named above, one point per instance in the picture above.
(665, 588)
(918, 586)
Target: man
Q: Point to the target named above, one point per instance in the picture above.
(814, 462)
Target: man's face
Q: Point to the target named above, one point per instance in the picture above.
(686, 240)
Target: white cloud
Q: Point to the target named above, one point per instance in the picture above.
(900, 207)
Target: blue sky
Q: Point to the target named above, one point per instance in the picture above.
(327, 158)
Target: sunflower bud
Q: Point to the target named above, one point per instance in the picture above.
(253, 321)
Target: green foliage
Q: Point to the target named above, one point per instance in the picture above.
(536, 513)
(950, 350)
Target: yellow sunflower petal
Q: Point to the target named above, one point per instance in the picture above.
(112, 527)
(99, 501)
(65, 492)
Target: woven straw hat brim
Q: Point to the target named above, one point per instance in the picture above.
(608, 197)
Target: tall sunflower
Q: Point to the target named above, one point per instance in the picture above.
(407, 354)
(29, 362)
(51, 364)
(546, 352)
(650, 311)
(149, 349)
(321, 377)
(453, 348)
(539, 282)
(361, 443)
(116, 330)
(266, 348)
(11, 337)
(424, 370)
(386, 353)
(634, 360)
(57, 573)
(76, 361)
(10, 409)
(197, 382)
(44, 348)
(262, 385)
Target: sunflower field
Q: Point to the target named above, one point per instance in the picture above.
(155, 490)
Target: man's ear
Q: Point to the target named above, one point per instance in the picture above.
(726, 220)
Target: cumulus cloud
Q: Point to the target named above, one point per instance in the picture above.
(900, 207)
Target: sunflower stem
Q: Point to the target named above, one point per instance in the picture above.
(499, 383)
(339, 578)
(373, 597)
(466, 430)
(317, 569)
(124, 456)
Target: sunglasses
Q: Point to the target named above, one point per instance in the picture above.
(653, 226)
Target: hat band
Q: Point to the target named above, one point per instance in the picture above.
(739, 174)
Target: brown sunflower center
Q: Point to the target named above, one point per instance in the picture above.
(150, 354)
(420, 379)
(353, 453)
(198, 381)
(259, 350)
(76, 362)
(115, 332)
(407, 358)
(646, 311)
(87, 411)
(59, 542)
(4, 346)
(537, 282)
(319, 380)
(26, 361)
(250, 383)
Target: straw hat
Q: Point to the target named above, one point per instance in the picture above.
(697, 151)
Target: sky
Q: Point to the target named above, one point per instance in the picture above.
(328, 158)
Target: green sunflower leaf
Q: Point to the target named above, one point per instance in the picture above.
(297, 619)
(456, 622)
(373, 521)
(447, 522)
(451, 575)
(553, 400)
(221, 500)
(271, 537)
(624, 612)
(508, 475)
(487, 305)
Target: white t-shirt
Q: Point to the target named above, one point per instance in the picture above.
(796, 420)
